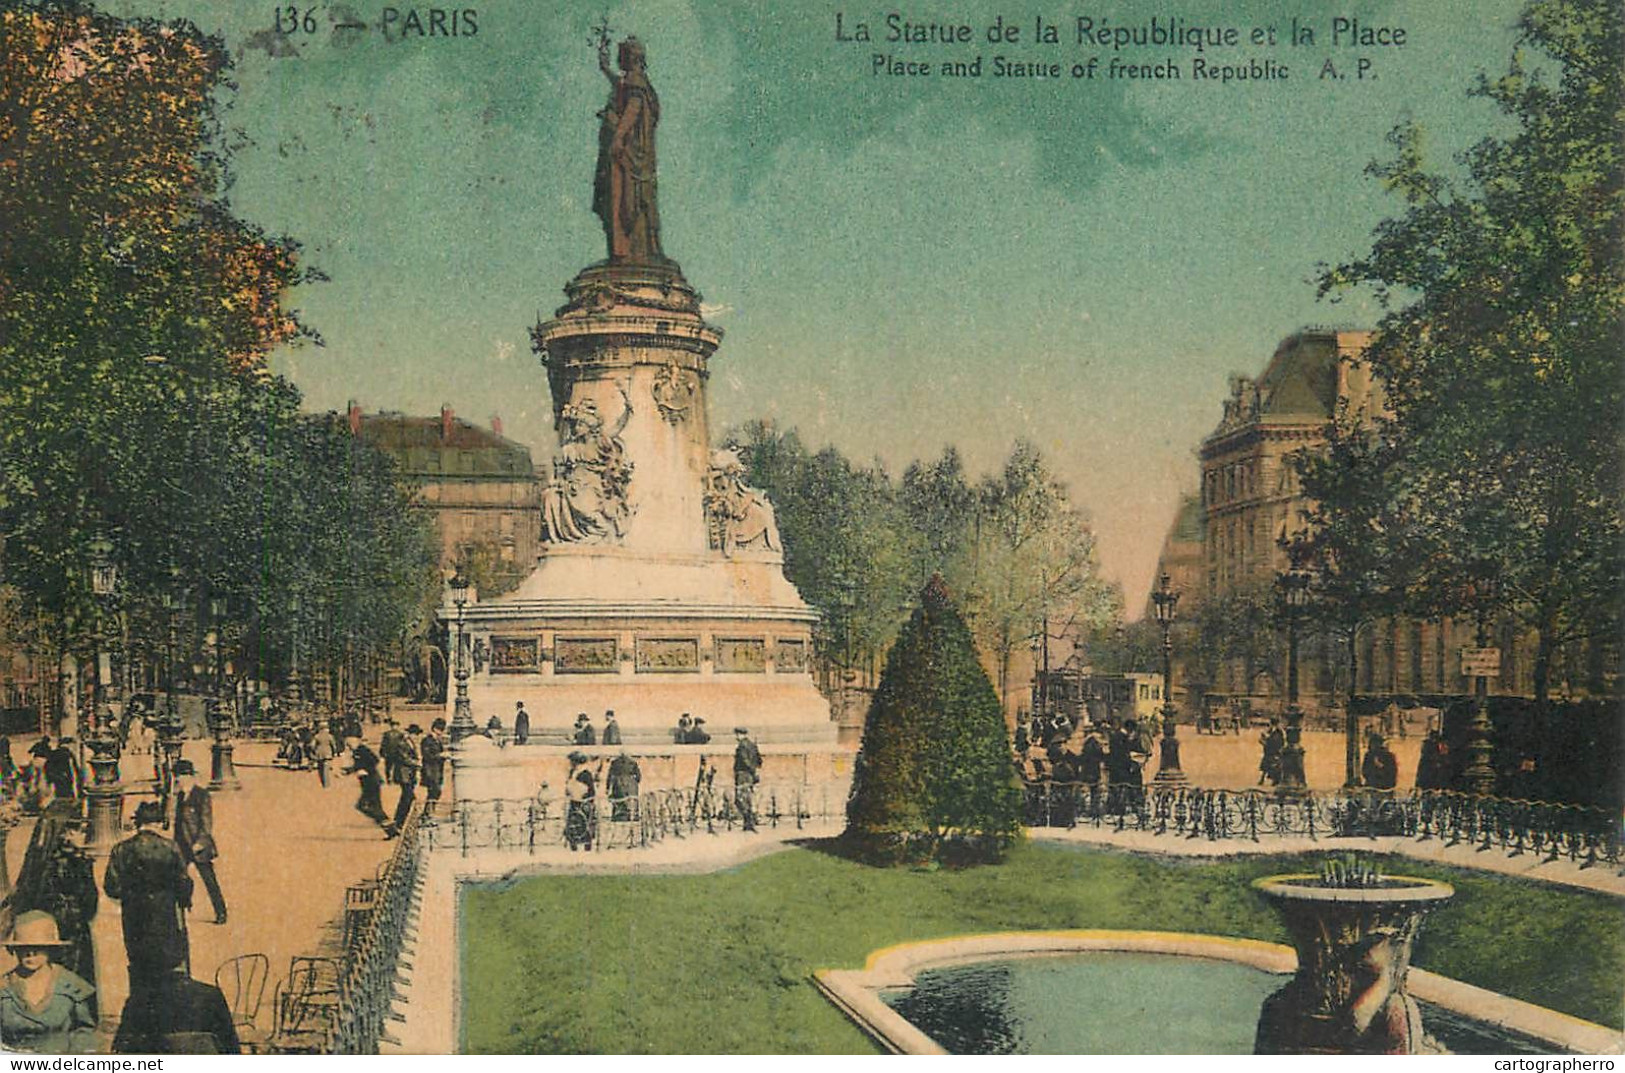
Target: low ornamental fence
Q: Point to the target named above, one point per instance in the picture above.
(367, 979)
(1580, 833)
(528, 824)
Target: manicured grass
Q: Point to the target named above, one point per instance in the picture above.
(721, 963)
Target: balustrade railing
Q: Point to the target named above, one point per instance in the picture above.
(1580, 833)
(529, 824)
(371, 964)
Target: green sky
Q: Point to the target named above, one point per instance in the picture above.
(899, 263)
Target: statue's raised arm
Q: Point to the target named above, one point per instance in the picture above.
(624, 187)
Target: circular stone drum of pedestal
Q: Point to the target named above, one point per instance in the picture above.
(1354, 951)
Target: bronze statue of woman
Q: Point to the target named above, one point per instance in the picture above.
(624, 186)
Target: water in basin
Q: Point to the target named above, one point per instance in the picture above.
(1119, 1003)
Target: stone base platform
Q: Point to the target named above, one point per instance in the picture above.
(484, 771)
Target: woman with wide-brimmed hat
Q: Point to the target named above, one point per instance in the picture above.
(43, 1006)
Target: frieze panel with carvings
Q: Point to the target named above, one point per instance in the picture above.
(790, 655)
(510, 655)
(668, 655)
(584, 655)
(742, 655)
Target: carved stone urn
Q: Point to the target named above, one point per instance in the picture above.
(1354, 952)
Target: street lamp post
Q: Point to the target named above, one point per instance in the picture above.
(294, 694)
(462, 718)
(1479, 775)
(104, 797)
(1294, 589)
(1163, 602)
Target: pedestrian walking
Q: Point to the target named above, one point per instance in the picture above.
(747, 772)
(194, 832)
(364, 765)
(624, 780)
(1380, 771)
(612, 729)
(521, 724)
(62, 771)
(434, 761)
(147, 875)
(1274, 744)
(584, 733)
(389, 750)
(407, 765)
(323, 748)
(580, 814)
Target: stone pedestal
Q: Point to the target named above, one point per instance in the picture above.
(104, 797)
(222, 766)
(660, 589)
(1354, 951)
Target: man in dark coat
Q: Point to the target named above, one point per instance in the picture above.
(624, 779)
(389, 749)
(434, 761)
(364, 763)
(1433, 765)
(406, 773)
(612, 729)
(194, 832)
(584, 733)
(1380, 771)
(697, 734)
(147, 874)
(175, 1014)
(747, 773)
(62, 770)
(521, 724)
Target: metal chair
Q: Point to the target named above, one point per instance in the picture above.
(242, 981)
(307, 1006)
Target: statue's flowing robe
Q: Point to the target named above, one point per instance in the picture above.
(624, 190)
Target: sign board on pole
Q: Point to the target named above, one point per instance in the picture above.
(1481, 662)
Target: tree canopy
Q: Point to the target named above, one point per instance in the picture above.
(1504, 286)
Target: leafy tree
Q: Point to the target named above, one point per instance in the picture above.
(933, 778)
(136, 311)
(1353, 536)
(1033, 567)
(940, 509)
(1499, 350)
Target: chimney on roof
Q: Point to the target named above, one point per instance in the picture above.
(446, 417)
(354, 411)
(496, 424)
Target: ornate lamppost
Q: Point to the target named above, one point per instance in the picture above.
(104, 796)
(295, 696)
(462, 718)
(1163, 601)
(1479, 775)
(1293, 586)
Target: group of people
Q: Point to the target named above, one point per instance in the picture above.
(47, 1003)
(624, 780)
(404, 758)
(1059, 750)
(51, 772)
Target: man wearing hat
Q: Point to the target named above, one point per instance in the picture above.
(685, 727)
(697, 734)
(521, 724)
(147, 874)
(44, 1006)
(406, 773)
(433, 751)
(364, 764)
(612, 729)
(194, 832)
(584, 734)
(747, 771)
(389, 749)
(581, 790)
(1380, 771)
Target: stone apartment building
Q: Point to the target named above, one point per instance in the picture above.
(1249, 499)
(481, 486)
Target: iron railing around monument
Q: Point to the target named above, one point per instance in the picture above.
(1554, 831)
(527, 825)
(372, 962)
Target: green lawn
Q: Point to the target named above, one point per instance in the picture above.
(721, 963)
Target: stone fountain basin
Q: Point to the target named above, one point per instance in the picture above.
(1390, 890)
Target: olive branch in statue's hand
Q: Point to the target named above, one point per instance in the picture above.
(600, 39)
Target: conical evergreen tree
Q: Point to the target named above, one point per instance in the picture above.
(934, 777)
